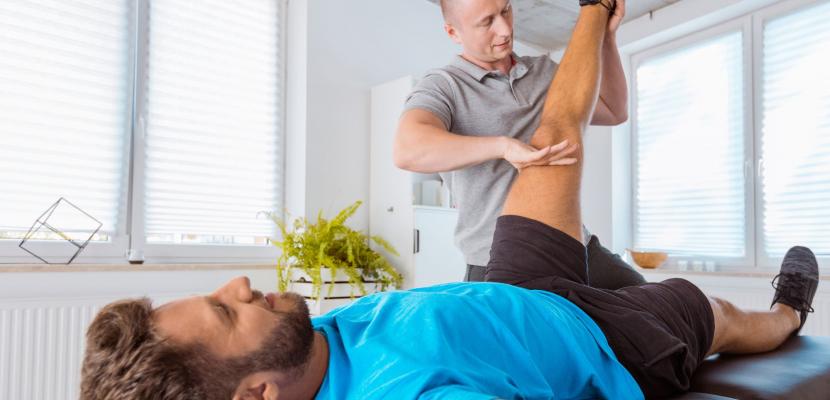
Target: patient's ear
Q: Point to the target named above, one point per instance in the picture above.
(259, 386)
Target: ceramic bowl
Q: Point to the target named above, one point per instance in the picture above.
(648, 259)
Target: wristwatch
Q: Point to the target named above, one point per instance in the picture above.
(601, 2)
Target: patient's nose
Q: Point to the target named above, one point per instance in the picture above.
(237, 289)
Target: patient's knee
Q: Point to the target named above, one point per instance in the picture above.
(728, 318)
(731, 309)
(723, 307)
(554, 132)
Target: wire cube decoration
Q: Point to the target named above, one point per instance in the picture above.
(66, 222)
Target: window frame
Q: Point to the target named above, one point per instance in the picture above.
(99, 252)
(760, 18)
(130, 230)
(743, 26)
(751, 24)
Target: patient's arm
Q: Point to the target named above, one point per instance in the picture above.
(550, 194)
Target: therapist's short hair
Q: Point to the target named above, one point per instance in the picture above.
(447, 8)
(127, 359)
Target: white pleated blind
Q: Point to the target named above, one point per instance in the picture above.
(65, 90)
(689, 183)
(796, 131)
(213, 149)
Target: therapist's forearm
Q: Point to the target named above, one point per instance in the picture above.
(432, 150)
(613, 90)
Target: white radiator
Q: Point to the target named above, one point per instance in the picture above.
(41, 347)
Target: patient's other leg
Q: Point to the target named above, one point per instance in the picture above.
(550, 194)
(738, 331)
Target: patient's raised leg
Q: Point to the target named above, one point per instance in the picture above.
(550, 194)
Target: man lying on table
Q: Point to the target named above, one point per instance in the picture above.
(563, 339)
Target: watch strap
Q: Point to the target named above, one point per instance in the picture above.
(611, 5)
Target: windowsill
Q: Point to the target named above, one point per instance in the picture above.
(129, 267)
(736, 273)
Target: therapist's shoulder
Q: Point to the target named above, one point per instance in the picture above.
(446, 80)
(436, 78)
(436, 91)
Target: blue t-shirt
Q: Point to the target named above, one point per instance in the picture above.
(469, 341)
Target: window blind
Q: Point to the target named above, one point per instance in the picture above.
(689, 182)
(796, 131)
(213, 120)
(65, 96)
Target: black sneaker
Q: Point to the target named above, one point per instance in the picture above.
(797, 282)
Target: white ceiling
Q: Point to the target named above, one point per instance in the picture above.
(547, 24)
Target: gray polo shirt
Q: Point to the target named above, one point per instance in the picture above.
(475, 102)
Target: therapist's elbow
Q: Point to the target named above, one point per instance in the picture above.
(403, 155)
(411, 159)
(619, 119)
(401, 161)
(612, 119)
(621, 116)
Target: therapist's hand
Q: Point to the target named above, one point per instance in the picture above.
(616, 19)
(522, 155)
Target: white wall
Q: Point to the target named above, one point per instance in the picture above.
(596, 183)
(347, 48)
(296, 100)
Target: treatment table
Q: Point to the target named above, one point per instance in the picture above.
(798, 370)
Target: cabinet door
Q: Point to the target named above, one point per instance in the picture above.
(437, 259)
(390, 188)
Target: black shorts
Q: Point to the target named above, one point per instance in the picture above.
(659, 331)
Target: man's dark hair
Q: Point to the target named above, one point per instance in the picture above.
(127, 359)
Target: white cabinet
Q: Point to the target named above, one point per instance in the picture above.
(436, 258)
(392, 214)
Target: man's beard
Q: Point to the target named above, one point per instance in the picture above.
(286, 349)
(288, 345)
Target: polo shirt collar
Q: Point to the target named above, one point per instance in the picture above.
(479, 73)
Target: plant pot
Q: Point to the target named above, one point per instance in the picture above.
(342, 292)
(298, 275)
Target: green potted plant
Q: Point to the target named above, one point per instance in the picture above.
(325, 248)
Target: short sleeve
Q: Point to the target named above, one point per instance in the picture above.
(433, 94)
(455, 392)
(546, 64)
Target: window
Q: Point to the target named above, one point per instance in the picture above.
(162, 119)
(692, 201)
(65, 107)
(211, 119)
(795, 132)
(732, 140)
